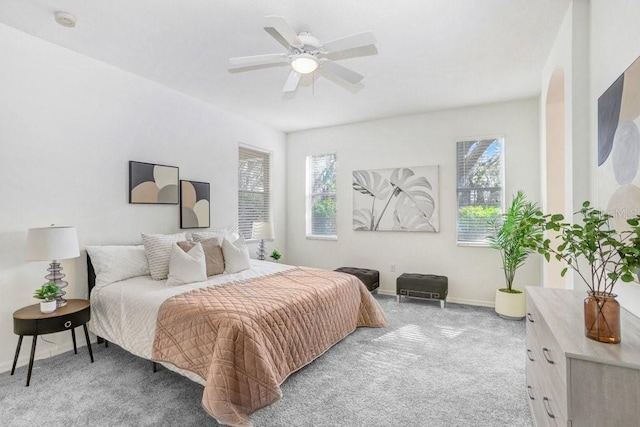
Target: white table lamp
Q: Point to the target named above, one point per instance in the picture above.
(262, 231)
(53, 244)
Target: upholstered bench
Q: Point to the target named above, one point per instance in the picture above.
(427, 286)
(371, 278)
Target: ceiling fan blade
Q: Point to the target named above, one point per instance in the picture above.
(242, 69)
(365, 38)
(282, 28)
(341, 72)
(292, 81)
(356, 52)
(272, 58)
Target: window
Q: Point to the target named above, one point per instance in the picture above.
(254, 190)
(321, 196)
(480, 176)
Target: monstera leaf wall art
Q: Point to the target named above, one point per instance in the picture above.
(399, 199)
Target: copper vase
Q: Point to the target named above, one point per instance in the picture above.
(602, 317)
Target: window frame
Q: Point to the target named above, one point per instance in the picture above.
(267, 213)
(308, 215)
(480, 243)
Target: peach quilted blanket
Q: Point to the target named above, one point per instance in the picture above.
(244, 339)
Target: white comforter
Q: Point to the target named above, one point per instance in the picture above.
(125, 312)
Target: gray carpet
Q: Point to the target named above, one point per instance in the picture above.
(461, 366)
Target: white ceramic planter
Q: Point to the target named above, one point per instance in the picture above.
(510, 306)
(47, 307)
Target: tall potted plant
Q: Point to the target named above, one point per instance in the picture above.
(517, 233)
(610, 256)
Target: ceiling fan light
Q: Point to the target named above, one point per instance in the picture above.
(304, 63)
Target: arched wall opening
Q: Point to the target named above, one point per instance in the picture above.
(555, 162)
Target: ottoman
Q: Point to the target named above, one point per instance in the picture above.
(370, 278)
(427, 286)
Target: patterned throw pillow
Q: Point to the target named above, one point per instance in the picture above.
(158, 250)
(114, 263)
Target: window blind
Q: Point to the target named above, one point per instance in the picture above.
(254, 189)
(321, 195)
(480, 173)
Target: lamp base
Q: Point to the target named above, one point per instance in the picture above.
(262, 252)
(56, 275)
(60, 301)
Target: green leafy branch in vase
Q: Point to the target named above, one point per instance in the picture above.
(610, 254)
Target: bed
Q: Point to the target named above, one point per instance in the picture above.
(240, 335)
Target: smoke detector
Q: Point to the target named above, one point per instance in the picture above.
(65, 19)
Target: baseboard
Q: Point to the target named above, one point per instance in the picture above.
(466, 301)
(42, 352)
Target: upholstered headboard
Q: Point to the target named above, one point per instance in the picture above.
(91, 275)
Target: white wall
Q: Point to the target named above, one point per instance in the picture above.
(68, 127)
(426, 139)
(613, 47)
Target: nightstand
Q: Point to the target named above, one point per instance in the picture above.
(30, 321)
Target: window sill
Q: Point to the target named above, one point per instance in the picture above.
(473, 244)
(322, 237)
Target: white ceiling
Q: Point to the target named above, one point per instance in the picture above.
(432, 54)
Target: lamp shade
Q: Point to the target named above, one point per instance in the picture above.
(262, 231)
(52, 243)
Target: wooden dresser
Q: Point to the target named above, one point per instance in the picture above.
(572, 380)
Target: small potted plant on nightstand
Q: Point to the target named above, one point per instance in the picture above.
(47, 293)
(275, 255)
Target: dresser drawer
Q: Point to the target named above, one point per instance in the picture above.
(541, 340)
(546, 409)
(548, 389)
(553, 395)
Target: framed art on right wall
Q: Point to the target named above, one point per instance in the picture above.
(619, 147)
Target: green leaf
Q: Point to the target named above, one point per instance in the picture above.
(563, 272)
(627, 277)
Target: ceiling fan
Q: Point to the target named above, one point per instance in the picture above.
(305, 54)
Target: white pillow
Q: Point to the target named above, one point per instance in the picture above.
(158, 250)
(236, 255)
(187, 267)
(220, 233)
(204, 235)
(115, 263)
